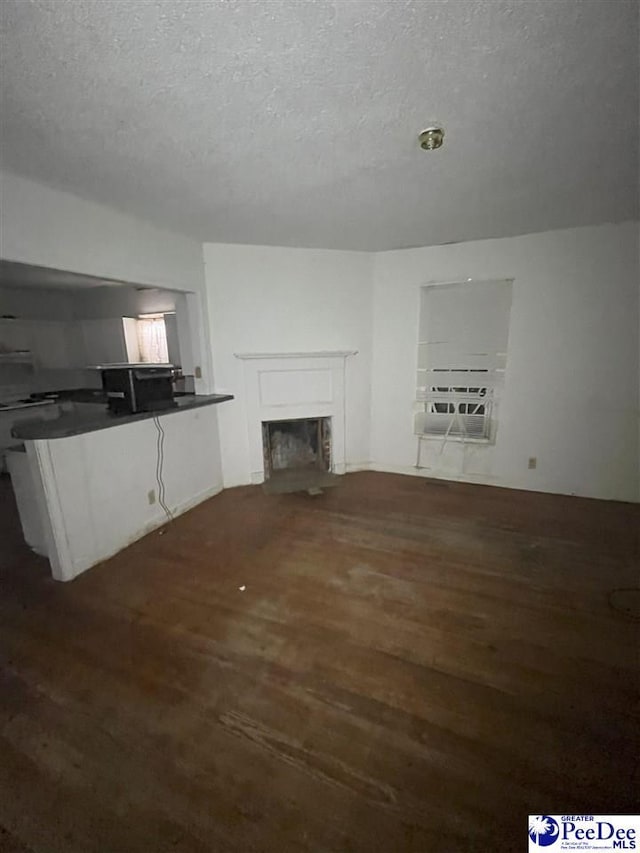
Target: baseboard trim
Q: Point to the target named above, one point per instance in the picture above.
(484, 480)
(81, 566)
(352, 467)
(427, 473)
(188, 504)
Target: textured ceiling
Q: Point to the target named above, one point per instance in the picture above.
(294, 122)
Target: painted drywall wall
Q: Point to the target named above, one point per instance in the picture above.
(274, 300)
(124, 301)
(93, 488)
(44, 227)
(45, 326)
(572, 377)
(571, 389)
(49, 228)
(35, 303)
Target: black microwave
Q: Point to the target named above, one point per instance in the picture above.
(132, 388)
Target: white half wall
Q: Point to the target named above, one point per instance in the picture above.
(265, 299)
(93, 488)
(571, 389)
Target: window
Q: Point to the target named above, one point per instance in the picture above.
(461, 359)
(146, 339)
(152, 339)
(458, 410)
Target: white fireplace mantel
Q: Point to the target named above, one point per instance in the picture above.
(290, 386)
(339, 353)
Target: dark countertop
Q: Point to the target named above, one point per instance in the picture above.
(18, 405)
(75, 395)
(76, 423)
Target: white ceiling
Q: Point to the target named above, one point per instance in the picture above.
(294, 122)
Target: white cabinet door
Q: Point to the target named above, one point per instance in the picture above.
(14, 335)
(76, 343)
(104, 341)
(50, 344)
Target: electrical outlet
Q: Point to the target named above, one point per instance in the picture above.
(151, 496)
(198, 373)
(533, 462)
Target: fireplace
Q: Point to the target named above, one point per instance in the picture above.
(299, 444)
(294, 386)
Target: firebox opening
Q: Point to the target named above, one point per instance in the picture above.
(296, 445)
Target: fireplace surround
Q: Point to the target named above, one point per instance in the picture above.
(293, 386)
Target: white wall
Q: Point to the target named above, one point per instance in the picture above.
(267, 299)
(59, 303)
(94, 487)
(35, 303)
(44, 326)
(571, 394)
(48, 228)
(44, 227)
(123, 301)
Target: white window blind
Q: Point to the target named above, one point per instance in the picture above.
(152, 339)
(462, 346)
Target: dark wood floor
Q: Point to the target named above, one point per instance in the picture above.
(413, 666)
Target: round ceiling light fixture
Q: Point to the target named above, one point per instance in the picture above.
(431, 138)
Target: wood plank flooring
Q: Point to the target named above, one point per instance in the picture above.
(412, 666)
